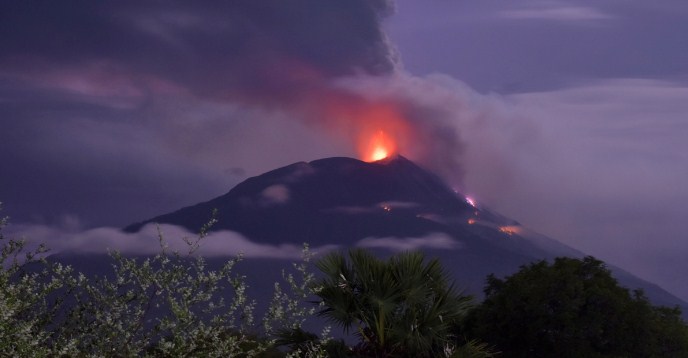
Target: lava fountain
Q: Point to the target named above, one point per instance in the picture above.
(380, 147)
(382, 131)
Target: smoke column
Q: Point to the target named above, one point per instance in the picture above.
(138, 90)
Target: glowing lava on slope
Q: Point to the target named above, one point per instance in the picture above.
(471, 202)
(510, 229)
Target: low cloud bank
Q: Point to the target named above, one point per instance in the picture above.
(431, 241)
(147, 241)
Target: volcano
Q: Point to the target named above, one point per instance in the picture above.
(334, 200)
(339, 200)
(386, 206)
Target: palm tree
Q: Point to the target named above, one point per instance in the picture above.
(399, 307)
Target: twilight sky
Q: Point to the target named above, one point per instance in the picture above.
(569, 116)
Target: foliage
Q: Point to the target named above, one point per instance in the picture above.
(400, 307)
(288, 313)
(306, 344)
(166, 305)
(25, 309)
(574, 308)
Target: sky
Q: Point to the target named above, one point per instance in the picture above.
(568, 116)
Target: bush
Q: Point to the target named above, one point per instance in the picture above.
(166, 305)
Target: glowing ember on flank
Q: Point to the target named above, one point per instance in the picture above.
(509, 230)
(470, 201)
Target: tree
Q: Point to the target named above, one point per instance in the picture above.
(574, 308)
(400, 307)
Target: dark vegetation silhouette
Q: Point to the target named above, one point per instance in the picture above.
(173, 305)
(574, 308)
(404, 306)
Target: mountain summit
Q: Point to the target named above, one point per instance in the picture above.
(388, 205)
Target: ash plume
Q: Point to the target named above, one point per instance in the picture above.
(192, 91)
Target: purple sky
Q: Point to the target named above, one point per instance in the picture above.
(569, 116)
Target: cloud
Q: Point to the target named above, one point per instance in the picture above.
(262, 48)
(556, 11)
(379, 207)
(274, 195)
(557, 14)
(606, 175)
(431, 241)
(300, 171)
(440, 112)
(146, 242)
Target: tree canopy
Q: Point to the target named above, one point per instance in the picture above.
(574, 308)
(404, 306)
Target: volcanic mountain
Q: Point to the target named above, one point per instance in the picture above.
(388, 205)
(334, 200)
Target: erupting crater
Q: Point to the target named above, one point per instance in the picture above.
(379, 147)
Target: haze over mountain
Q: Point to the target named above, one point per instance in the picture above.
(388, 205)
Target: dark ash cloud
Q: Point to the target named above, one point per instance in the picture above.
(109, 104)
(212, 47)
(112, 103)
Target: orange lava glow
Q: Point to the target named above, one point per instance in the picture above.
(378, 129)
(380, 147)
(379, 154)
(509, 230)
(383, 132)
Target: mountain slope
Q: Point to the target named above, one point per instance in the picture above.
(385, 206)
(313, 201)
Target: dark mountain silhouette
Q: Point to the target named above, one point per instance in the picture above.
(378, 205)
(331, 200)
